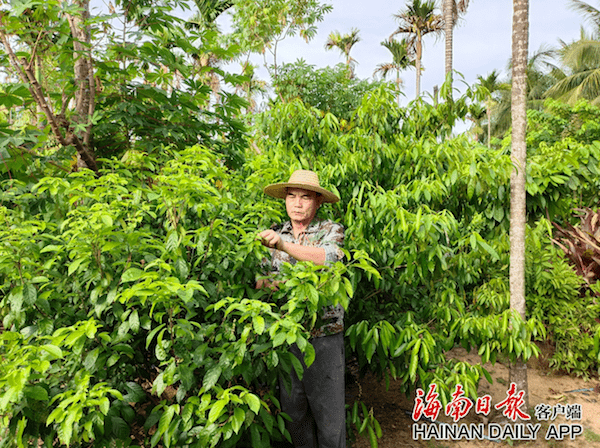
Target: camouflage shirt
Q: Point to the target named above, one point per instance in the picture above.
(327, 235)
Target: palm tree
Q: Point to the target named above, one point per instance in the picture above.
(451, 10)
(542, 74)
(344, 43)
(581, 60)
(488, 88)
(251, 86)
(208, 12)
(592, 14)
(476, 115)
(402, 58)
(518, 371)
(416, 21)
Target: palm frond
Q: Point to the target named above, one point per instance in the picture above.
(591, 14)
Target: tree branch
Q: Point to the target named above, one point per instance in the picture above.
(28, 77)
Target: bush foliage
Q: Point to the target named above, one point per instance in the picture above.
(128, 298)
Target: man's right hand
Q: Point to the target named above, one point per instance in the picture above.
(266, 283)
(271, 239)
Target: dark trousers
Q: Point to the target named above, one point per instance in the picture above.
(316, 404)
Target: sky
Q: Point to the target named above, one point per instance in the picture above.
(482, 40)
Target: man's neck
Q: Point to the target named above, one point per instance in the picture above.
(299, 226)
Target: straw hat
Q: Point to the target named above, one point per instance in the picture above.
(307, 180)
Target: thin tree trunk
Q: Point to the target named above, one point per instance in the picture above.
(488, 112)
(398, 81)
(84, 75)
(39, 116)
(449, 35)
(61, 128)
(520, 43)
(418, 65)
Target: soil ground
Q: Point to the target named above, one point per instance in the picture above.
(393, 409)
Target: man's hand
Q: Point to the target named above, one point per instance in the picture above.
(266, 283)
(271, 239)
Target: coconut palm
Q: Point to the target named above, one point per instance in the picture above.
(344, 43)
(418, 20)
(581, 60)
(592, 14)
(542, 74)
(452, 9)
(402, 58)
(520, 38)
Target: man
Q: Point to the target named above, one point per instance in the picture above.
(316, 404)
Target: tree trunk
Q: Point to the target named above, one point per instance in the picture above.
(84, 77)
(488, 112)
(448, 12)
(520, 42)
(63, 130)
(39, 116)
(419, 49)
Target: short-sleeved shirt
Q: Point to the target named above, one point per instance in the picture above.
(325, 234)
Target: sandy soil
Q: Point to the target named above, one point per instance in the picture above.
(393, 409)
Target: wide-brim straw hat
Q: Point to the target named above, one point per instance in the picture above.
(305, 179)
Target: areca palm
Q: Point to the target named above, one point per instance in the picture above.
(402, 58)
(518, 370)
(418, 20)
(208, 12)
(489, 87)
(451, 10)
(344, 43)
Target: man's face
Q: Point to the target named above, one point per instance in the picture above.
(301, 205)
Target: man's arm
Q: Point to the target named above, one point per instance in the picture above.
(303, 253)
(272, 239)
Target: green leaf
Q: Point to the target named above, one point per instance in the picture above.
(258, 322)
(134, 321)
(131, 275)
(297, 366)
(36, 392)
(29, 294)
(216, 410)
(279, 339)
(51, 248)
(372, 437)
(107, 220)
(252, 401)
(309, 355)
(75, 265)
(172, 241)
(238, 419)
(165, 419)
(135, 393)
(53, 350)
(120, 428)
(211, 377)
(104, 405)
(90, 360)
(414, 360)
